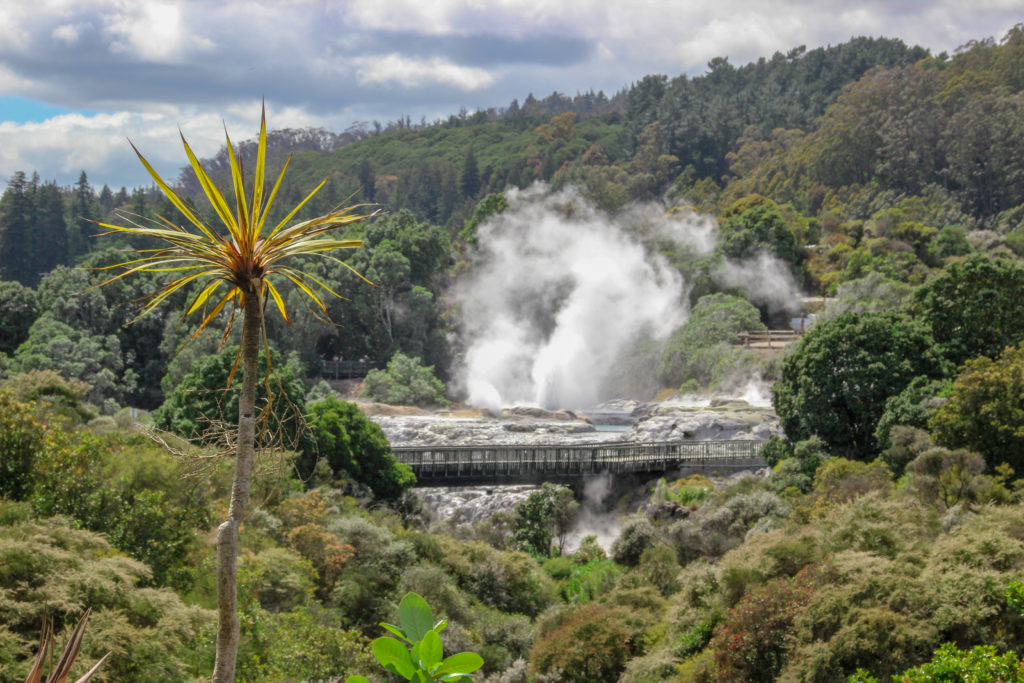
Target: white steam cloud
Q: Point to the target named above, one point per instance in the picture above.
(560, 291)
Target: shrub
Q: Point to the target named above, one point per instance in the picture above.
(21, 440)
(840, 480)
(637, 536)
(405, 382)
(751, 643)
(278, 579)
(591, 642)
(980, 664)
(353, 445)
(590, 581)
(47, 567)
(511, 582)
(946, 478)
(302, 646)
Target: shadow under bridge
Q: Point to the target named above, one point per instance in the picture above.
(529, 464)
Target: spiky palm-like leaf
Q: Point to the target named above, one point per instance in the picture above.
(62, 669)
(238, 268)
(250, 252)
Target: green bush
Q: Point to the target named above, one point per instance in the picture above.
(637, 535)
(980, 664)
(587, 643)
(279, 579)
(48, 568)
(985, 411)
(355, 446)
(405, 382)
(202, 405)
(302, 645)
(21, 441)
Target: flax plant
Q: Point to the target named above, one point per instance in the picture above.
(240, 271)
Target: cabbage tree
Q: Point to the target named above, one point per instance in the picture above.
(237, 267)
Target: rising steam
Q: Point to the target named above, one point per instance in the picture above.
(559, 291)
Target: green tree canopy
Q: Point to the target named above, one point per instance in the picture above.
(546, 515)
(835, 384)
(203, 399)
(352, 444)
(760, 229)
(974, 307)
(18, 310)
(93, 358)
(985, 412)
(405, 382)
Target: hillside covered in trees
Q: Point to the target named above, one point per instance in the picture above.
(885, 541)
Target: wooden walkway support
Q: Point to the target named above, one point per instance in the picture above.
(515, 464)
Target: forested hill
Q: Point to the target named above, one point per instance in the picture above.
(631, 146)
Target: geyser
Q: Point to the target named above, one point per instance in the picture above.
(559, 291)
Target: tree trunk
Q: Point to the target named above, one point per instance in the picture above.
(227, 533)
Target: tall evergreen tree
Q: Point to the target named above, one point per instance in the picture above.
(470, 176)
(16, 244)
(50, 233)
(84, 210)
(367, 179)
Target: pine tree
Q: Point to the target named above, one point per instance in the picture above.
(470, 177)
(16, 244)
(84, 210)
(50, 234)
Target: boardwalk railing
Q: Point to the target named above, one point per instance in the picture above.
(768, 338)
(435, 465)
(348, 369)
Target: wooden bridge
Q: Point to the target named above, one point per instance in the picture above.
(520, 464)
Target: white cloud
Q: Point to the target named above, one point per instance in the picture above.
(154, 31)
(64, 145)
(394, 68)
(68, 33)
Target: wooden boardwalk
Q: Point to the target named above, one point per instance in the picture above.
(520, 464)
(348, 369)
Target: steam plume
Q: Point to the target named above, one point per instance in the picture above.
(559, 291)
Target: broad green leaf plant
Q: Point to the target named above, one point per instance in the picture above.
(237, 268)
(417, 654)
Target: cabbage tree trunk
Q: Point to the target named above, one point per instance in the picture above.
(227, 533)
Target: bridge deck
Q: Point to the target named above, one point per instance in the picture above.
(438, 465)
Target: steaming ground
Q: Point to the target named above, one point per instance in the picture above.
(560, 292)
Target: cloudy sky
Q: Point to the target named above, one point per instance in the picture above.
(78, 77)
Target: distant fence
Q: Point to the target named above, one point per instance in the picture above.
(348, 369)
(768, 338)
(508, 464)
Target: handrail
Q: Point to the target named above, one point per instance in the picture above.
(770, 337)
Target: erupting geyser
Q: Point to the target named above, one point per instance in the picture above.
(557, 295)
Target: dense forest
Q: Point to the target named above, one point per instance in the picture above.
(884, 544)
